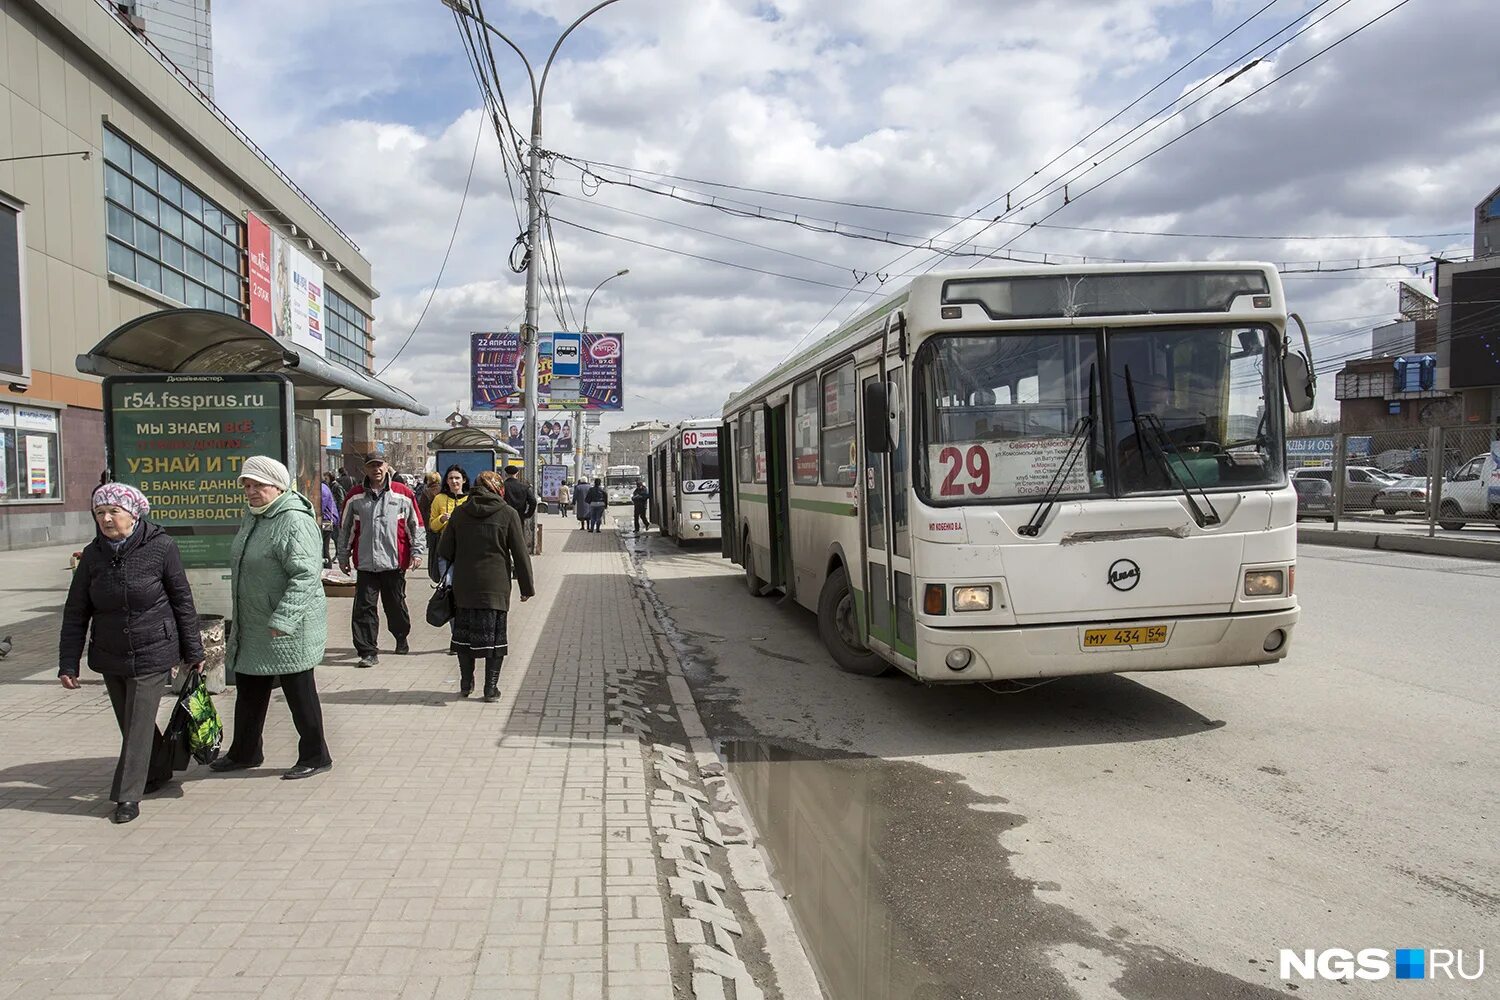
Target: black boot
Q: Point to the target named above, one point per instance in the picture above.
(491, 680)
(465, 676)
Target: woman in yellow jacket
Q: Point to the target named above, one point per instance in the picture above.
(455, 491)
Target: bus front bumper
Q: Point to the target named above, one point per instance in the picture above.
(1035, 651)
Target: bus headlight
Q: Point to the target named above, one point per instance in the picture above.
(1263, 582)
(972, 598)
(695, 515)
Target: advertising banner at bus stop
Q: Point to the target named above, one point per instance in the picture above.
(497, 371)
(552, 480)
(180, 440)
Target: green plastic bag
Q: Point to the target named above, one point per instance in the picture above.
(201, 722)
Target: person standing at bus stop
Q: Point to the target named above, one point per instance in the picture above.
(597, 500)
(520, 495)
(581, 502)
(638, 500)
(382, 537)
(432, 485)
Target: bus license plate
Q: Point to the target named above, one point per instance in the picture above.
(1146, 635)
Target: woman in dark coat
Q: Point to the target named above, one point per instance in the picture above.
(486, 546)
(130, 598)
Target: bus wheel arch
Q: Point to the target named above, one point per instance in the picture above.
(838, 626)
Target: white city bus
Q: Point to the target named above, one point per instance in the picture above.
(619, 482)
(1032, 472)
(683, 473)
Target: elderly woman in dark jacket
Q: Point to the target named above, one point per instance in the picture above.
(130, 598)
(486, 546)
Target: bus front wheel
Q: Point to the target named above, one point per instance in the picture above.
(838, 626)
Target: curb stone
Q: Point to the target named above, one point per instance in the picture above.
(696, 820)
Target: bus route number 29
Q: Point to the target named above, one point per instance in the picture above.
(964, 469)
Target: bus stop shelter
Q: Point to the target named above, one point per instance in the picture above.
(201, 341)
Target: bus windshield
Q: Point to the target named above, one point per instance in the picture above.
(700, 465)
(1008, 416)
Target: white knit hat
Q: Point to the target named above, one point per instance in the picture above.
(265, 469)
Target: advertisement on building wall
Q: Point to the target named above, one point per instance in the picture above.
(258, 259)
(497, 371)
(180, 440)
(296, 296)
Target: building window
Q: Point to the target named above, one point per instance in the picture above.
(838, 427)
(31, 469)
(13, 362)
(347, 331)
(166, 235)
(805, 432)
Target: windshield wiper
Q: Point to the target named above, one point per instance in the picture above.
(1159, 443)
(1083, 438)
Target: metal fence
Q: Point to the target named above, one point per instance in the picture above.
(1435, 478)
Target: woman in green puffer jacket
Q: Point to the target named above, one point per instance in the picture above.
(280, 618)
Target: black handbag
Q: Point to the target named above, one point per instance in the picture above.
(440, 604)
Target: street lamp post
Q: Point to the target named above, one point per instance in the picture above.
(578, 415)
(533, 211)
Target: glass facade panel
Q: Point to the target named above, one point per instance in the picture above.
(157, 214)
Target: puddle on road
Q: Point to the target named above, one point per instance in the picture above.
(903, 891)
(821, 824)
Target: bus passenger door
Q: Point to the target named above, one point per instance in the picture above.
(778, 496)
(875, 530)
(729, 481)
(898, 490)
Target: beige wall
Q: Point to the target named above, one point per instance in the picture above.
(67, 66)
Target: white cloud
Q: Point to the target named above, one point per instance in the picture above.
(938, 106)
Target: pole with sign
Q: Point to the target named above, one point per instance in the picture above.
(180, 440)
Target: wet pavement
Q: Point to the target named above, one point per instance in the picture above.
(1154, 836)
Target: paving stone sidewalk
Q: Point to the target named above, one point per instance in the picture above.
(457, 849)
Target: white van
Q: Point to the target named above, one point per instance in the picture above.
(1473, 492)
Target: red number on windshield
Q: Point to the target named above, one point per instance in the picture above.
(978, 462)
(950, 487)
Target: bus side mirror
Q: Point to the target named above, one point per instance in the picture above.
(1301, 383)
(1297, 374)
(877, 412)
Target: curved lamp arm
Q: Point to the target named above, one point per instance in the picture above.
(620, 273)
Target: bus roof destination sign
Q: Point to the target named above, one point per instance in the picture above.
(180, 439)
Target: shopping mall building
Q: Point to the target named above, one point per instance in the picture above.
(142, 231)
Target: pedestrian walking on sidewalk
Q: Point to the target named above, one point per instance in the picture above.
(130, 598)
(280, 619)
(638, 500)
(598, 501)
(432, 485)
(381, 537)
(328, 521)
(521, 497)
(581, 502)
(455, 492)
(337, 488)
(487, 549)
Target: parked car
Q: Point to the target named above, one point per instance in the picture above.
(1406, 493)
(1473, 492)
(1361, 483)
(1314, 497)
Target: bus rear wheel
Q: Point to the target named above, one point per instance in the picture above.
(753, 583)
(838, 626)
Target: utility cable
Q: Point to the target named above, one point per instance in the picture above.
(463, 200)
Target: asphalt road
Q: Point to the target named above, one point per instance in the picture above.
(1138, 836)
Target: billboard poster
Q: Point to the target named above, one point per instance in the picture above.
(552, 480)
(258, 258)
(180, 440)
(296, 296)
(555, 437)
(497, 371)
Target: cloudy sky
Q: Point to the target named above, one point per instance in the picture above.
(940, 109)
